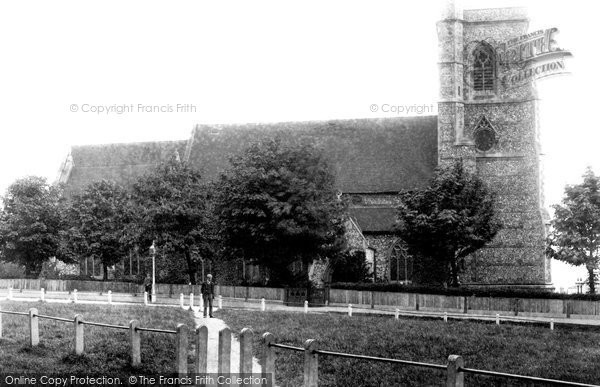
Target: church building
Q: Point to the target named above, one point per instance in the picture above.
(485, 120)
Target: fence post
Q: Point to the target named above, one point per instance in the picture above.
(268, 357)
(247, 293)
(350, 310)
(42, 295)
(497, 319)
(146, 298)
(445, 317)
(516, 306)
(465, 304)
(201, 349)
(10, 295)
(74, 296)
(311, 364)
(135, 340)
(372, 300)
(416, 301)
(551, 324)
(305, 306)
(191, 301)
(397, 314)
(568, 308)
(224, 366)
(181, 301)
(263, 305)
(110, 297)
(220, 301)
(246, 351)
(78, 327)
(455, 377)
(182, 349)
(34, 332)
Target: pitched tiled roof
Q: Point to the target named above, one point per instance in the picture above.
(368, 155)
(121, 163)
(374, 219)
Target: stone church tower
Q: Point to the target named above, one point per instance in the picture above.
(492, 128)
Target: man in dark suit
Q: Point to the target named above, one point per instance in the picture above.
(208, 294)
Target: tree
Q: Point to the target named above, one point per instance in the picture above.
(277, 204)
(447, 221)
(173, 204)
(575, 236)
(30, 224)
(97, 220)
(350, 266)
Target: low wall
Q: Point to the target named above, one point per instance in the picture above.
(531, 306)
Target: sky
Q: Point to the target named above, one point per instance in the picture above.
(96, 72)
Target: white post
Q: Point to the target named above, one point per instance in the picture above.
(34, 331)
(146, 298)
(220, 301)
(42, 295)
(10, 296)
(350, 310)
(263, 306)
(397, 314)
(181, 302)
(305, 306)
(445, 316)
(191, 301)
(109, 297)
(551, 324)
(153, 253)
(497, 319)
(75, 296)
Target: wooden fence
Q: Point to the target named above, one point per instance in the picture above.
(455, 367)
(531, 306)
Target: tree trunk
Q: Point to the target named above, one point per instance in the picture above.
(105, 269)
(190, 268)
(591, 280)
(453, 274)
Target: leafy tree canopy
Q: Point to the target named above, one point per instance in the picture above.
(174, 209)
(575, 236)
(277, 204)
(30, 224)
(448, 220)
(97, 220)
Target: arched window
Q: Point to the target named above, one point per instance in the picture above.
(401, 263)
(484, 68)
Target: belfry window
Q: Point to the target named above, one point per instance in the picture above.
(484, 70)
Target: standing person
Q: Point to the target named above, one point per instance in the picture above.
(148, 286)
(208, 294)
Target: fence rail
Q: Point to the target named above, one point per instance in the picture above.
(79, 322)
(455, 368)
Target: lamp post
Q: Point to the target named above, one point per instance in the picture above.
(153, 254)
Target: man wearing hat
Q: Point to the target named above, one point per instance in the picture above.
(208, 294)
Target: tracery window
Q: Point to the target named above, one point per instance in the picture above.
(401, 263)
(484, 68)
(484, 135)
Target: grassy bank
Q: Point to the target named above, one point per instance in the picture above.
(566, 354)
(106, 350)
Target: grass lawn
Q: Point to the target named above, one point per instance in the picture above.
(107, 351)
(571, 354)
